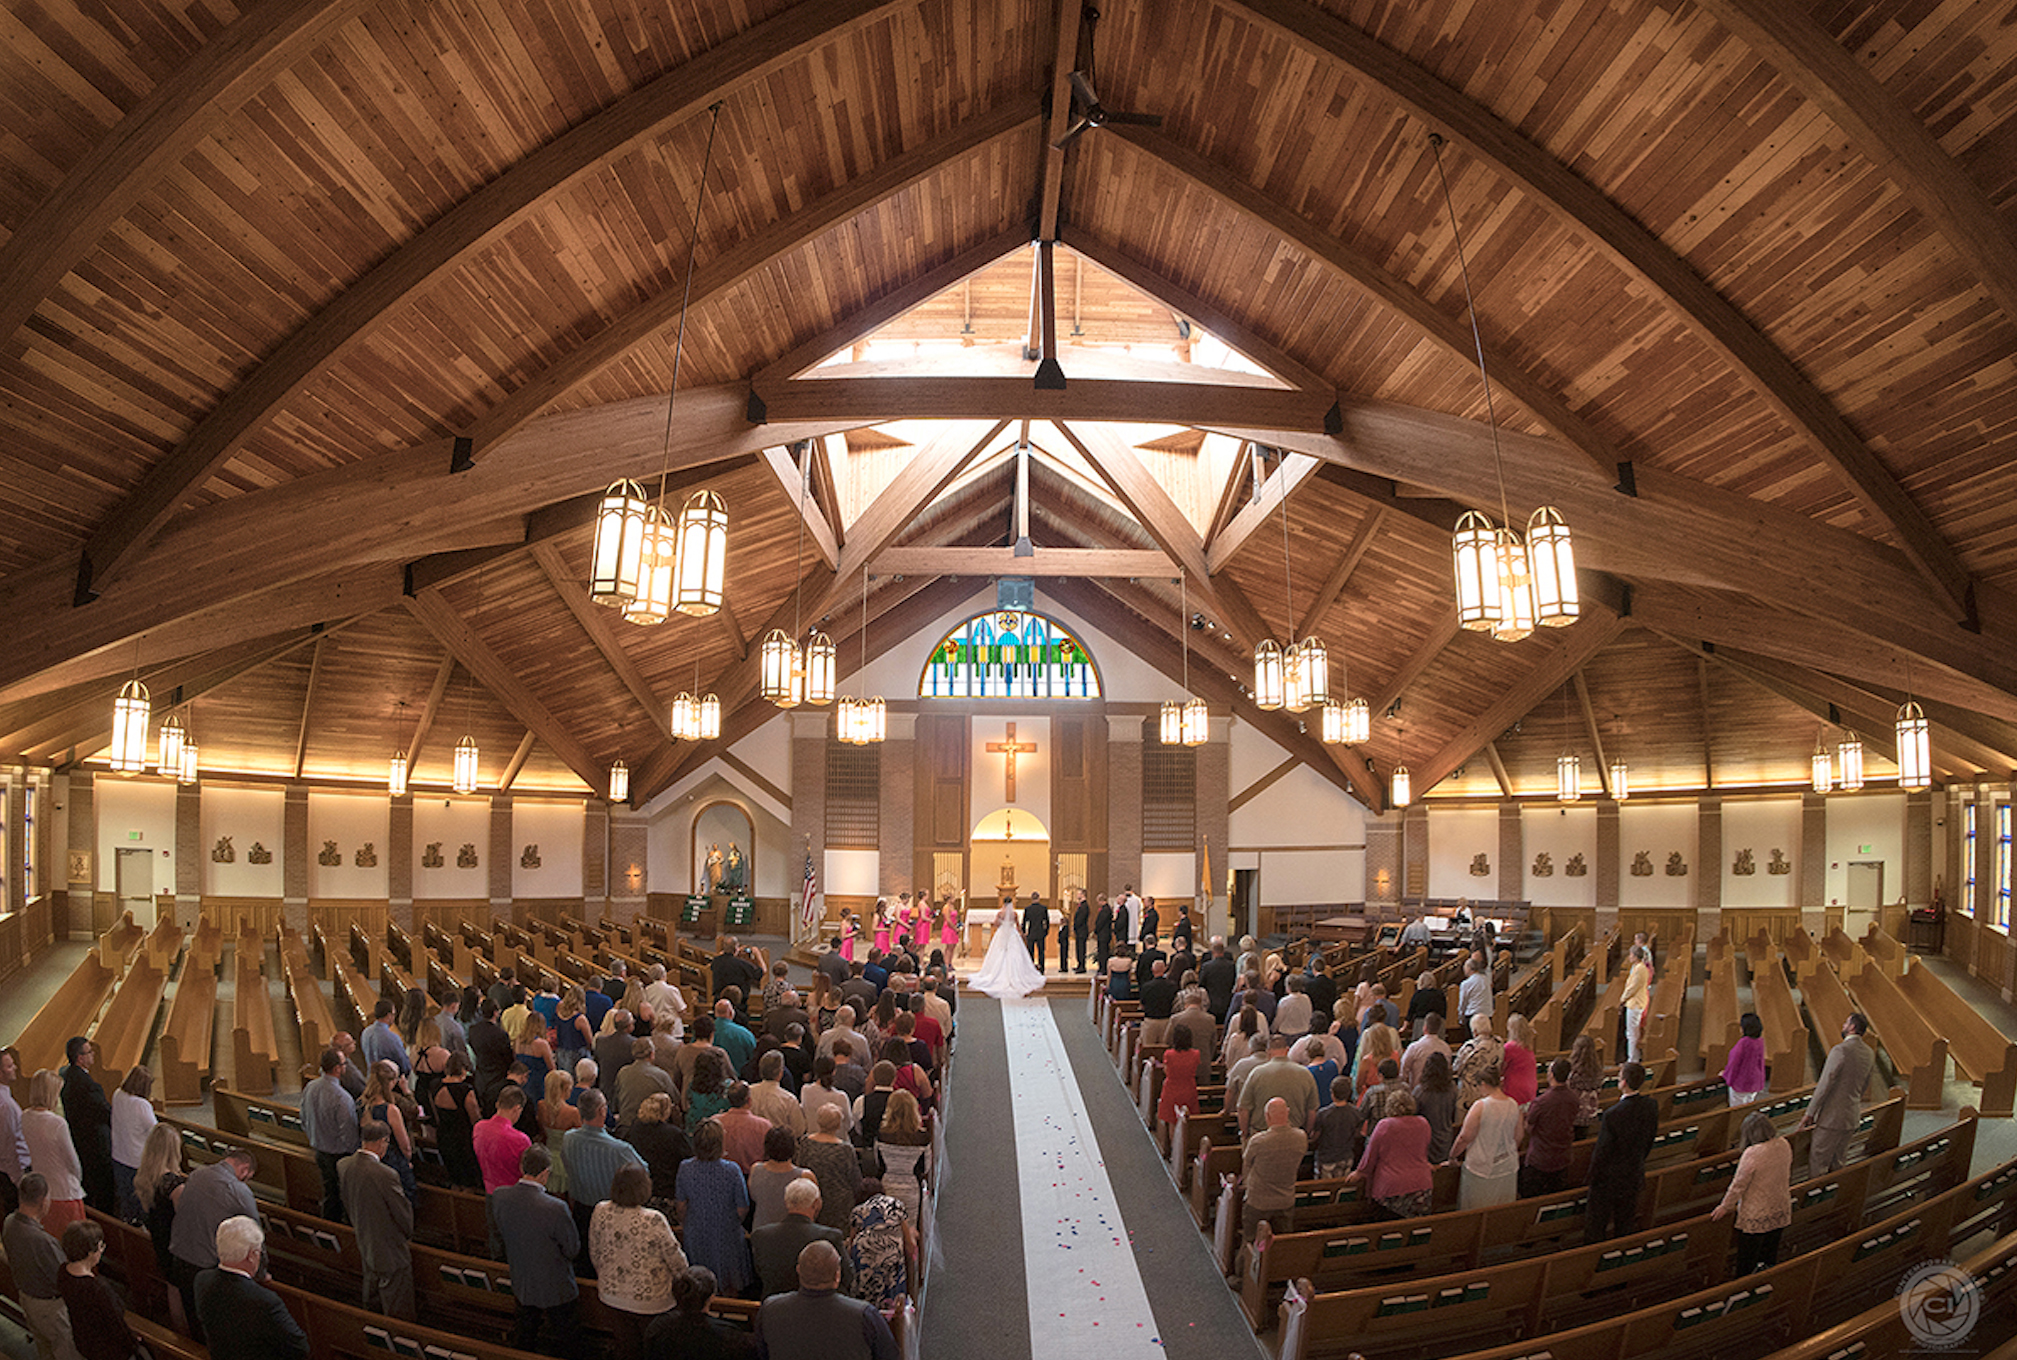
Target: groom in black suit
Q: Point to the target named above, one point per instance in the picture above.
(1036, 929)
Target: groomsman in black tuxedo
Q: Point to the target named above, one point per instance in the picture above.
(1036, 929)
(1082, 915)
(1103, 934)
(1121, 935)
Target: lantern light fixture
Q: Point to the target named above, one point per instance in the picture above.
(1824, 768)
(1170, 726)
(619, 781)
(819, 668)
(617, 565)
(1568, 777)
(1403, 787)
(1849, 762)
(700, 555)
(1621, 781)
(1915, 754)
(186, 769)
(396, 774)
(465, 765)
(169, 757)
(710, 717)
(862, 721)
(782, 676)
(652, 604)
(685, 719)
(131, 712)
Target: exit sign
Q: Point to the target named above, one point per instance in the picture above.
(135, 836)
(1866, 849)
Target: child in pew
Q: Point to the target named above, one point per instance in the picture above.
(1337, 1132)
(1744, 1071)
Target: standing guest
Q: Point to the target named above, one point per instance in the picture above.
(881, 1241)
(1586, 1079)
(821, 1091)
(1436, 1101)
(490, 1049)
(1484, 1050)
(1760, 1193)
(663, 1144)
(712, 1197)
(450, 1018)
(742, 1130)
(1618, 1166)
(904, 1146)
(1195, 1016)
(571, 1023)
(688, 1333)
(1837, 1105)
(557, 1117)
(383, 1093)
(1744, 1071)
(455, 1114)
(1293, 1012)
(329, 1118)
(593, 1155)
(512, 1015)
(14, 1159)
(1180, 1078)
(132, 1120)
(778, 1019)
(639, 1081)
(35, 1259)
(1638, 991)
(97, 1317)
(776, 1245)
(1395, 1168)
(769, 1098)
(1488, 1147)
(1218, 975)
(53, 1152)
(1474, 994)
(1246, 1026)
(1121, 973)
(1151, 920)
(1159, 1003)
(1336, 1145)
(732, 967)
(1103, 933)
(1378, 1008)
(1278, 1077)
(817, 1322)
(667, 1002)
(617, 1049)
(1428, 1000)
(1268, 1169)
(375, 1199)
(732, 1037)
(1416, 1055)
(1378, 1044)
(243, 1318)
(540, 1244)
(381, 1041)
(775, 987)
(1240, 1069)
(499, 994)
(1373, 1103)
(707, 1093)
(1521, 1069)
(90, 1118)
(500, 1144)
(769, 1179)
(531, 1048)
(637, 1260)
(158, 1187)
(831, 1159)
(1082, 924)
(211, 1197)
(1551, 1132)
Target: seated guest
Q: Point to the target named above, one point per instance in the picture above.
(776, 1246)
(637, 1260)
(818, 1322)
(688, 1333)
(242, 1318)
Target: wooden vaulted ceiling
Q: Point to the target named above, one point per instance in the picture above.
(268, 275)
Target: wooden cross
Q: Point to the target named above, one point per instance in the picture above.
(1009, 748)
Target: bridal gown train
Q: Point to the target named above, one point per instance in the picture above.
(1008, 970)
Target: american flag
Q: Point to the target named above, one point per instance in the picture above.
(807, 911)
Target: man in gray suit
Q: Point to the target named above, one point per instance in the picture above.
(776, 1245)
(1837, 1106)
(540, 1244)
(379, 1211)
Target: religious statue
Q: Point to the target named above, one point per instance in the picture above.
(1745, 865)
(258, 854)
(431, 857)
(733, 880)
(713, 879)
(530, 859)
(465, 858)
(1642, 864)
(1676, 866)
(1544, 865)
(1778, 864)
(330, 856)
(1481, 865)
(367, 855)
(222, 853)
(1577, 867)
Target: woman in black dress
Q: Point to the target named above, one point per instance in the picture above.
(455, 1115)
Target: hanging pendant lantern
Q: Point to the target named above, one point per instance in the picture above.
(819, 668)
(1516, 590)
(1551, 561)
(1849, 762)
(874, 720)
(710, 717)
(1824, 770)
(1332, 729)
(845, 724)
(130, 714)
(1268, 675)
(1171, 724)
(653, 602)
(779, 665)
(1475, 546)
(1197, 723)
(617, 565)
(685, 723)
(1314, 663)
(1915, 754)
(1403, 787)
(1292, 680)
(1358, 722)
(1621, 783)
(169, 761)
(465, 765)
(396, 774)
(619, 782)
(185, 764)
(1568, 777)
(700, 555)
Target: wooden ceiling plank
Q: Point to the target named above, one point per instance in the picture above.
(1578, 643)
(1886, 133)
(447, 243)
(1708, 315)
(517, 763)
(1439, 638)
(794, 481)
(1878, 710)
(1237, 477)
(154, 136)
(1046, 562)
(1294, 469)
(1596, 736)
(430, 709)
(600, 626)
(452, 631)
(1064, 60)
(1498, 765)
(1341, 574)
(308, 705)
(925, 474)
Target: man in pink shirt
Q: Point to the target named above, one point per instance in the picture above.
(498, 1142)
(742, 1129)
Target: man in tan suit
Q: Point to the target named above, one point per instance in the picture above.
(383, 1219)
(1837, 1106)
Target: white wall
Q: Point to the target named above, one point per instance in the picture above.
(1173, 873)
(128, 806)
(1252, 755)
(351, 820)
(848, 873)
(248, 816)
(1456, 837)
(987, 789)
(1762, 826)
(1856, 820)
(779, 865)
(1563, 832)
(557, 829)
(1659, 829)
(1299, 877)
(1305, 835)
(768, 751)
(453, 822)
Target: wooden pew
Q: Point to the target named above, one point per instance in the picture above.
(164, 944)
(312, 1014)
(1670, 995)
(1884, 950)
(1564, 1012)
(1772, 999)
(1983, 1053)
(1881, 1329)
(117, 946)
(254, 1052)
(69, 1011)
(121, 1034)
(1720, 1011)
(192, 1020)
(1918, 1052)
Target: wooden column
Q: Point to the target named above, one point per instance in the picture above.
(82, 808)
(294, 858)
(896, 836)
(1215, 818)
(1708, 875)
(1814, 864)
(503, 854)
(595, 860)
(1383, 863)
(1124, 804)
(1609, 866)
(1512, 877)
(189, 858)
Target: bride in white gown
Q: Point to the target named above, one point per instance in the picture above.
(1008, 969)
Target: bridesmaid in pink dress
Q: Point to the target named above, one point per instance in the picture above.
(900, 937)
(921, 927)
(849, 928)
(881, 926)
(948, 928)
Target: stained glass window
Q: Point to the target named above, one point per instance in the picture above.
(1967, 903)
(2002, 866)
(1009, 654)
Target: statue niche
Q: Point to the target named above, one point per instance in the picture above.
(330, 856)
(1745, 865)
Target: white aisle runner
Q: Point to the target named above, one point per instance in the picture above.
(1085, 1292)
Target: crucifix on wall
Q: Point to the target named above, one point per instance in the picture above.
(1009, 748)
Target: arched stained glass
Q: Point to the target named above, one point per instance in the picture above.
(1009, 654)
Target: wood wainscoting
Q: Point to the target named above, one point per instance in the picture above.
(239, 915)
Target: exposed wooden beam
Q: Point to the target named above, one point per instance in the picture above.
(1591, 730)
(600, 626)
(1293, 471)
(1237, 477)
(1575, 646)
(452, 631)
(1708, 724)
(873, 401)
(154, 136)
(1886, 132)
(1875, 739)
(1003, 562)
(1064, 60)
(826, 492)
(430, 709)
(517, 763)
(1044, 319)
(446, 244)
(1439, 638)
(1498, 765)
(925, 474)
(1263, 784)
(795, 482)
(1341, 575)
(731, 629)
(1713, 319)
(308, 705)
(1448, 333)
